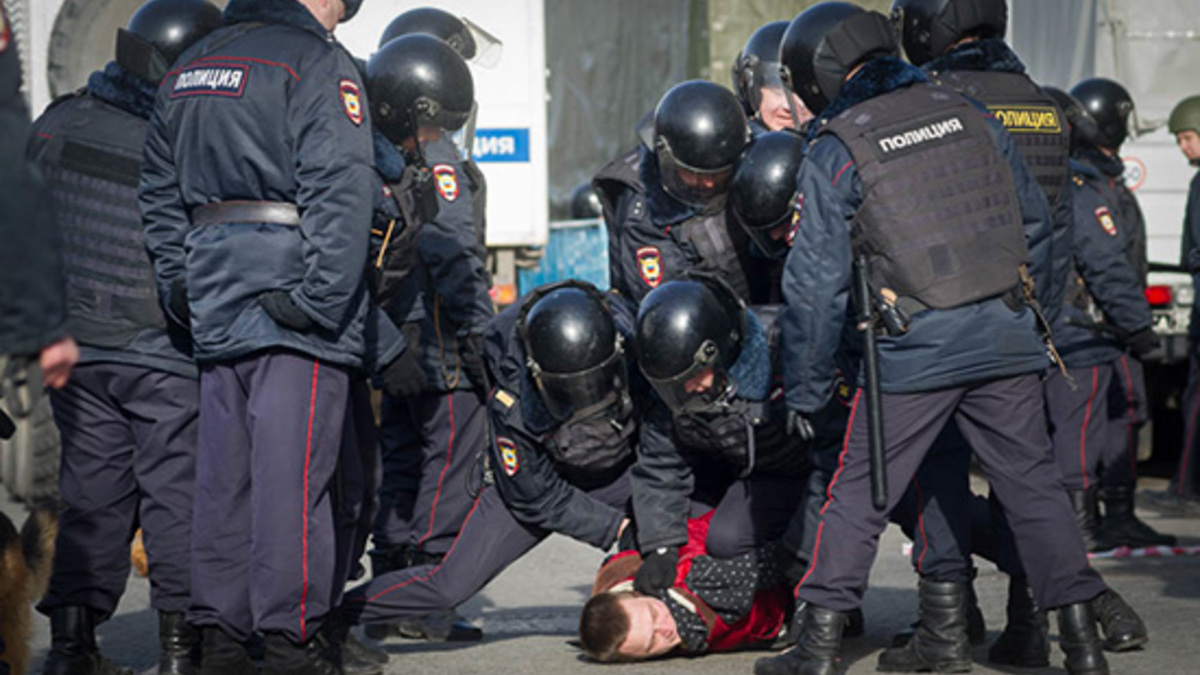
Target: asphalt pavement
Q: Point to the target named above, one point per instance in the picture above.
(529, 614)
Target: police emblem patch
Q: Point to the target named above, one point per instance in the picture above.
(650, 265)
(508, 455)
(5, 31)
(446, 180)
(351, 100)
(1106, 221)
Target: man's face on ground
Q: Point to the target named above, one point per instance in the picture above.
(774, 109)
(1189, 143)
(652, 630)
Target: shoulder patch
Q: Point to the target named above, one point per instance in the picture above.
(506, 399)
(5, 31)
(446, 179)
(508, 455)
(649, 260)
(351, 100)
(211, 78)
(1106, 221)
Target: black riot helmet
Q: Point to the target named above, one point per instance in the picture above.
(585, 203)
(159, 31)
(825, 42)
(1083, 127)
(418, 81)
(1111, 106)
(352, 7)
(699, 131)
(470, 41)
(684, 329)
(573, 350)
(763, 191)
(757, 65)
(927, 28)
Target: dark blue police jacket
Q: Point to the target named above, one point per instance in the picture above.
(1191, 250)
(268, 108)
(943, 348)
(1100, 257)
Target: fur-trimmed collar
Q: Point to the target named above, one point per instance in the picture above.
(752, 369)
(1110, 166)
(286, 12)
(664, 209)
(991, 54)
(877, 77)
(389, 161)
(119, 87)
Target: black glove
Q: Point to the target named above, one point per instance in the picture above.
(470, 353)
(798, 425)
(283, 311)
(404, 377)
(1142, 342)
(177, 303)
(657, 572)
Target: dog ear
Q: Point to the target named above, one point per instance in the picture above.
(37, 540)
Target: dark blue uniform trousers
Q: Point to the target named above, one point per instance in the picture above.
(1128, 410)
(263, 547)
(490, 540)
(431, 447)
(128, 458)
(1186, 482)
(1082, 425)
(1004, 421)
(356, 482)
(752, 512)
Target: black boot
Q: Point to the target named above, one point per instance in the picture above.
(73, 648)
(1121, 526)
(357, 658)
(1024, 642)
(1083, 502)
(818, 649)
(179, 645)
(940, 641)
(382, 562)
(1078, 639)
(284, 657)
(222, 655)
(976, 626)
(1123, 628)
(445, 626)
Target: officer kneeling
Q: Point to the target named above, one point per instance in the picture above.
(917, 180)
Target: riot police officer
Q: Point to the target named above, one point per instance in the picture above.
(770, 105)
(565, 420)
(665, 207)
(1183, 493)
(127, 418)
(255, 194)
(718, 436)
(1108, 327)
(33, 322)
(949, 249)
(434, 284)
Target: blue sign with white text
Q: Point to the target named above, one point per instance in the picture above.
(501, 145)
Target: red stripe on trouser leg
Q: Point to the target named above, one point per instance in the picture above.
(829, 491)
(1131, 426)
(312, 411)
(921, 524)
(441, 477)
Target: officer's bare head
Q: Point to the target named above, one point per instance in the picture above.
(624, 626)
(331, 12)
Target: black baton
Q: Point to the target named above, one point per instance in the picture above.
(866, 324)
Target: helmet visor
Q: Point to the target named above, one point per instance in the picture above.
(464, 136)
(570, 396)
(488, 47)
(698, 387)
(704, 189)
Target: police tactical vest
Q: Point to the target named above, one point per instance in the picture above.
(594, 451)
(1035, 122)
(708, 241)
(92, 164)
(940, 216)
